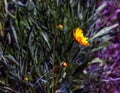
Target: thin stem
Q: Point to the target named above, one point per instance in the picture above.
(53, 81)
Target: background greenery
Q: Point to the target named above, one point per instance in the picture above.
(32, 47)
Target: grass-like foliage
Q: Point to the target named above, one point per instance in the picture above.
(38, 52)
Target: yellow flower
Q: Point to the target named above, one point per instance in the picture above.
(25, 78)
(64, 64)
(79, 37)
(60, 27)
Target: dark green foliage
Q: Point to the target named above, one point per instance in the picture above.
(34, 47)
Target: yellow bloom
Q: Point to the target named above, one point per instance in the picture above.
(60, 27)
(79, 37)
(25, 78)
(64, 64)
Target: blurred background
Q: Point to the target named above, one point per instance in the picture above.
(43, 46)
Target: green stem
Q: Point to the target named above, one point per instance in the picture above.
(53, 81)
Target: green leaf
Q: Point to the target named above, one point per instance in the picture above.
(101, 7)
(43, 80)
(106, 38)
(104, 31)
(14, 33)
(2, 82)
(12, 59)
(102, 45)
(96, 60)
(79, 69)
(45, 36)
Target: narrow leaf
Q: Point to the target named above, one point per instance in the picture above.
(104, 31)
(12, 59)
(45, 36)
(14, 33)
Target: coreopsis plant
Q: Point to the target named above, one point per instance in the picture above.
(48, 45)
